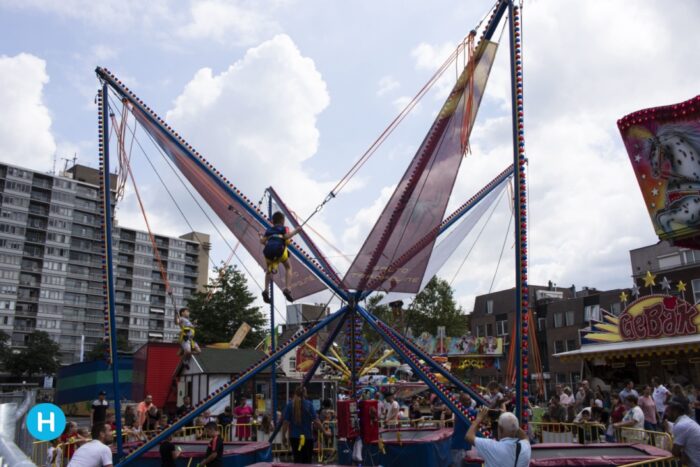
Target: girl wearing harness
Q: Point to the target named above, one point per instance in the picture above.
(276, 238)
(188, 346)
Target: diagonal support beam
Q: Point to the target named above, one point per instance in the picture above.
(215, 176)
(451, 401)
(429, 360)
(232, 386)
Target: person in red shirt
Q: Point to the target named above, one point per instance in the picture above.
(243, 413)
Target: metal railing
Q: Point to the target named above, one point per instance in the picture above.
(582, 433)
(659, 439)
(669, 461)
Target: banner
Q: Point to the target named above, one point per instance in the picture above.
(464, 345)
(663, 144)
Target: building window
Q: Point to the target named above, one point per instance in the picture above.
(558, 320)
(480, 330)
(616, 308)
(570, 318)
(489, 307)
(501, 328)
(696, 290)
(489, 330)
(292, 363)
(672, 261)
(559, 347)
(591, 313)
(571, 344)
(541, 324)
(689, 257)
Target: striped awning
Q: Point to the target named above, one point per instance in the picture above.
(641, 348)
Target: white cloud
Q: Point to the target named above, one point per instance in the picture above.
(257, 129)
(431, 57)
(25, 124)
(114, 14)
(386, 84)
(227, 22)
(170, 24)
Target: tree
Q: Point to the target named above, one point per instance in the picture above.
(4, 348)
(382, 312)
(223, 307)
(40, 357)
(99, 352)
(435, 306)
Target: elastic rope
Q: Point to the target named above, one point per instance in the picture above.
(476, 240)
(185, 218)
(503, 247)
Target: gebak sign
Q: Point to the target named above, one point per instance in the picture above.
(662, 318)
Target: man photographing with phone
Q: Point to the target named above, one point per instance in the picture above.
(512, 448)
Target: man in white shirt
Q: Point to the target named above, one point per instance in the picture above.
(96, 453)
(634, 418)
(686, 435)
(391, 410)
(512, 447)
(661, 396)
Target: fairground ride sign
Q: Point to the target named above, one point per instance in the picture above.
(650, 317)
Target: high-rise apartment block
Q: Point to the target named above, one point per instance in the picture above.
(51, 265)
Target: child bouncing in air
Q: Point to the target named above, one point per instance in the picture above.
(188, 346)
(276, 239)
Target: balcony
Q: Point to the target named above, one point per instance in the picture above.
(38, 210)
(40, 197)
(41, 183)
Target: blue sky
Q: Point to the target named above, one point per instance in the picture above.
(290, 93)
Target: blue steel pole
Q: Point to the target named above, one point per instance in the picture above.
(451, 401)
(430, 362)
(109, 280)
(317, 362)
(225, 391)
(520, 340)
(273, 336)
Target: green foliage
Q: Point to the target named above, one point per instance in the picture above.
(382, 312)
(435, 306)
(39, 358)
(223, 307)
(100, 351)
(4, 346)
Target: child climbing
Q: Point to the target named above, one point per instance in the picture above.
(276, 239)
(188, 346)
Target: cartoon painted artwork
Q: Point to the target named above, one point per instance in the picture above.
(463, 345)
(663, 144)
(426, 342)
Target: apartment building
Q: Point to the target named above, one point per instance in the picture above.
(51, 265)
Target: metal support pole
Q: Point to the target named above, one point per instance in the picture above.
(353, 360)
(325, 349)
(520, 338)
(227, 389)
(109, 280)
(273, 336)
(433, 364)
(451, 401)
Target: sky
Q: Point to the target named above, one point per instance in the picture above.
(289, 93)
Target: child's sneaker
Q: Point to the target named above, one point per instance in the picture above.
(288, 295)
(266, 296)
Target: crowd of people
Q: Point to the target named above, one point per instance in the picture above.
(629, 410)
